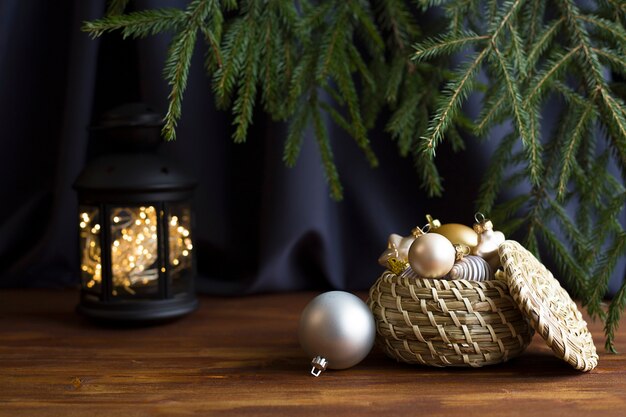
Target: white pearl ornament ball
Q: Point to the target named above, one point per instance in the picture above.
(432, 255)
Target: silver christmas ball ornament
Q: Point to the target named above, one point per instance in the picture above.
(337, 330)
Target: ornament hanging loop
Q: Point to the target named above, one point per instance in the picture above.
(419, 231)
(482, 223)
(433, 223)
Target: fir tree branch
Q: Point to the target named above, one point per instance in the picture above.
(616, 60)
(566, 264)
(429, 175)
(179, 61)
(492, 179)
(445, 45)
(616, 114)
(333, 41)
(519, 112)
(614, 315)
(295, 135)
(491, 113)
(348, 91)
(615, 31)
(556, 65)
(569, 152)
(137, 24)
(116, 7)
(455, 92)
(533, 18)
(602, 274)
(364, 16)
(544, 40)
(323, 142)
(246, 97)
(224, 78)
(395, 17)
(401, 125)
(356, 52)
(394, 78)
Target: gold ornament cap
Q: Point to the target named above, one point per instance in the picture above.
(433, 223)
(461, 251)
(482, 224)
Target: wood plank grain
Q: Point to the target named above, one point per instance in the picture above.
(240, 357)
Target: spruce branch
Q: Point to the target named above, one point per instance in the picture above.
(614, 315)
(446, 45)
(455, 92)
(349, 63)
(137, 24)
(570, 148)
(543, 42)
(116, 7)
(554, 67)
(520, 116)
(323, 142)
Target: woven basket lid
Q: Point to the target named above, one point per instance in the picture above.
(550, 309)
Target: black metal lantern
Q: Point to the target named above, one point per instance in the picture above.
(135, 224)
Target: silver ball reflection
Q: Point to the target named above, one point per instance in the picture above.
(337, 330)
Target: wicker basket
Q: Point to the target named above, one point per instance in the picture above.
(447, 323)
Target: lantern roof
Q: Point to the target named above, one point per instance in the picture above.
(130, 172)
(128, 166)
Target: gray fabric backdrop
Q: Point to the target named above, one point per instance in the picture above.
(260, 226)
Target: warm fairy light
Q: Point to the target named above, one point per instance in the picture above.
(134, 247)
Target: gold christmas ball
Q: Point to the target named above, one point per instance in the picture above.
(431, 256)
(458, 234)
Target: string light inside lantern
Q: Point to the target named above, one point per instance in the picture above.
(134, 248)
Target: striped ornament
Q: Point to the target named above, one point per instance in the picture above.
(471, 268)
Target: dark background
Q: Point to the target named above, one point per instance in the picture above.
(260, 226)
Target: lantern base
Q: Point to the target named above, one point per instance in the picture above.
(137, 311)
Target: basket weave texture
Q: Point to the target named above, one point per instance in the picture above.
(552, 312)
(447, 322)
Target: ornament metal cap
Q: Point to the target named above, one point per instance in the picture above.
(419, 231)
(482, 223)
(319, 365)
(461, 251)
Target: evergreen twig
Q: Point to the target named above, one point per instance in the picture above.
(350, 62)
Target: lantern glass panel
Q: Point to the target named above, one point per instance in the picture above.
(134, 251)
(90, 256)
(180, 247)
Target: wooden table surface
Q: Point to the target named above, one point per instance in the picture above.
(240, 357)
